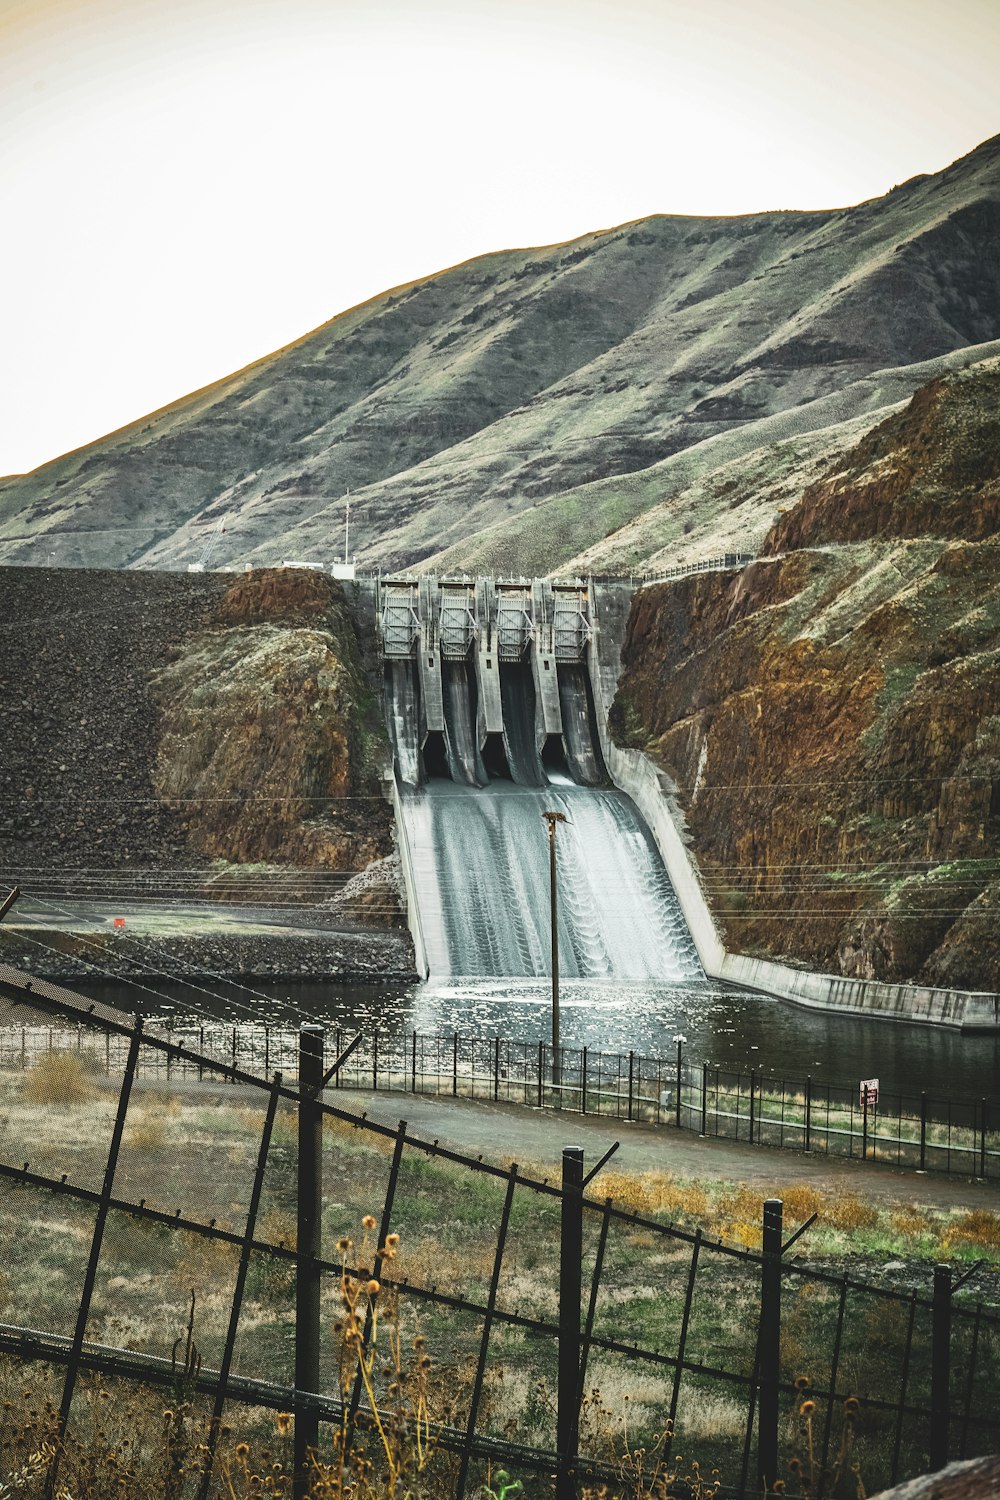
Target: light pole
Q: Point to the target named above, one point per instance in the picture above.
(680, 1040)
(552, 818)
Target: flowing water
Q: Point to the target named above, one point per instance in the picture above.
(482, 866)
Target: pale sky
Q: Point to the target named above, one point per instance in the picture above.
(186, 185)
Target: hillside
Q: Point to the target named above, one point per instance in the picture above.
(513, 411)
(169, 727)
(831, 715)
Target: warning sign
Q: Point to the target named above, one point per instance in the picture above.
(869, 1093)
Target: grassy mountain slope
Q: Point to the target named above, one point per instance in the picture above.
(484, 406)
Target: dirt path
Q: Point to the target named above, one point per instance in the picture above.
(503, 1131)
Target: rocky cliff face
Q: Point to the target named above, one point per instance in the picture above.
(832, 714)
(189, 723)
(513, 412)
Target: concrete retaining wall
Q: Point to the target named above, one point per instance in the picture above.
(412, 904)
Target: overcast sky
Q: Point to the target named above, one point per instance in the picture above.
(187, 185)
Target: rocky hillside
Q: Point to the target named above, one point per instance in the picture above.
(156, 723)
(514, 411)
(832, 714)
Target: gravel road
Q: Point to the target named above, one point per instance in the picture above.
(502, 1131)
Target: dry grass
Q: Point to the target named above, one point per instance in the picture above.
(146, 1130)
(978, 1230)
(656, 1193)
(60, 1078)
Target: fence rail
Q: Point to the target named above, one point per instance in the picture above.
(917, 1130)
(631, 1292)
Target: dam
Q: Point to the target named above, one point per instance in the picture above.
(492, 717)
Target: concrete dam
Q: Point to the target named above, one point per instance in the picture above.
(493, 719)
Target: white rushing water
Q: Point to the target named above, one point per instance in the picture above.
(481, 865)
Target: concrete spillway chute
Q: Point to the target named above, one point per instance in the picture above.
(491, 710)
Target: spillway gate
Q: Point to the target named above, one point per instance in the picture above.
(489, 677)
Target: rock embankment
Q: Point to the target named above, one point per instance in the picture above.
(356, 957)
(189, 735)
(79, 726)
(831, 715)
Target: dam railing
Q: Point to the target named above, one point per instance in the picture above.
(132, 1212)
(917, 1130)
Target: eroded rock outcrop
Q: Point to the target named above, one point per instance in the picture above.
(195, 724)
(270, 734)
(832, 714)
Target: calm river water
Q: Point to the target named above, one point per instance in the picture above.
(728, 1027)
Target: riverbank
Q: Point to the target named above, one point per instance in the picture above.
(221, 943)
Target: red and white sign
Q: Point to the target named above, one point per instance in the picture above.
(869, 1093)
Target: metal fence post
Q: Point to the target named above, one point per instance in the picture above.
(753, 1086)
(570, 1292)
(454, 1066)
(704, 1098)
(923, 1132)
(583, 1088)
(770, 1347)
(413, 1065)
(809, 1110)
(631, 1084)
(682, 1344)
(96, 1242)
(940, 1367)
(308, 1246)
(236, 1306)
(477, 1390)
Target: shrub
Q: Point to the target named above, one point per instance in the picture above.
(978, 1229)
(60, 1077)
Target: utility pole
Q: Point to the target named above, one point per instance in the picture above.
(552, 818)
(347, 528)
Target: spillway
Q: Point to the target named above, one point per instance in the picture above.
(402, 718)
(491, 714)
(517, 695)
(482, 865)
(465, 762)
(581, 741)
